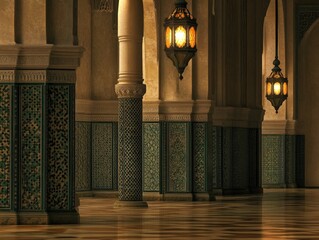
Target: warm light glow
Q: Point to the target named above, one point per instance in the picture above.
(277, 88)
(285, 88)
(192, 37)
(168, 35)
(268, 88)
(180, 37)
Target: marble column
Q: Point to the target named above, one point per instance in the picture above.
(130, 90)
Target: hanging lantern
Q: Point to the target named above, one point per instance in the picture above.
(180, 36)
(276, 83)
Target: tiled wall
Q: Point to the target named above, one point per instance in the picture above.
(283, 161)
(178, 157)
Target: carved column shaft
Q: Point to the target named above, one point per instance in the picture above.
(130, 90)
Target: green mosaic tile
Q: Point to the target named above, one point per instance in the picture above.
(199, 157)
(60, 132)
(83, 156)
(273, 160)
(177, 157)
(31, 147)
(151, 157)
(5, 136)
(102, 156)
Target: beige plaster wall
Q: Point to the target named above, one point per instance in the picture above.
(269, 56)
(104, 56)
(201, 90)
(83, 80)
(308, 107)
(29, 29)
(6, 22)
(171, 88)
(150, 52)
(60, 21)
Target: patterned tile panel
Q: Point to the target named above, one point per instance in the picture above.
(240, 161)
(177, 157)
(199, 157)
(273, 161)
(151, 156)
(115, 155)
(31, 147)
(5, 136)
(83, 156)
(58, 150)
(102, 156)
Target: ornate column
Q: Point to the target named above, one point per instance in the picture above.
(130, 90)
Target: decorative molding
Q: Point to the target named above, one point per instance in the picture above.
(96, 111)
(40, 57)
(279, 127)
(153, 111)
(130, 90)
(37, 76)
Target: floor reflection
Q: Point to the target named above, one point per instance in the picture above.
(277, 214)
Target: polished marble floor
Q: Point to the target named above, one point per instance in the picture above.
(277, 214)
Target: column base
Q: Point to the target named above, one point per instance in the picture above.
(64, 217)
(32, 218)
(203, 197)
(38, 218)
(130, 204)
(8, 218)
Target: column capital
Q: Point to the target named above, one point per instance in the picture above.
(130, 90)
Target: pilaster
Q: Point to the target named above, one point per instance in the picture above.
(39, 92)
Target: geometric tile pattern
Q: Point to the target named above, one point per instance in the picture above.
(273, 160)
(102, 156)
(5, 138)
(130, 149)
(31, 147)
(178, 157)
(58, 150)
(151, 157)
(199, 138)
(281, 214)
(83, 156)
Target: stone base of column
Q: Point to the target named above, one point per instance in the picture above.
(32, 218)
(64, 218)
(8, 218)
(203, 197)
(130, 204)
(38, 218)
